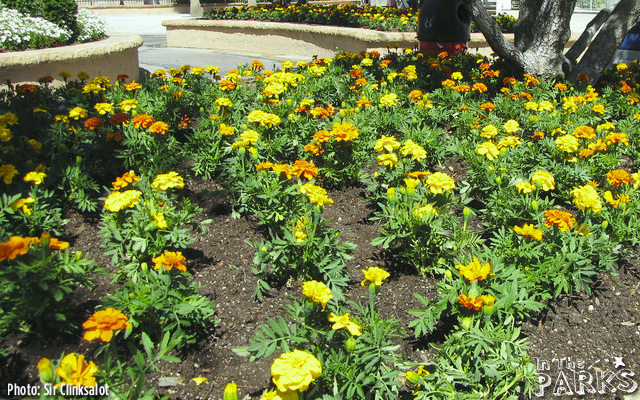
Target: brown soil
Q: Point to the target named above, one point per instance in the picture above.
(593, 329)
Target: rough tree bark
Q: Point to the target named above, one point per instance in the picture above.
(543, 29)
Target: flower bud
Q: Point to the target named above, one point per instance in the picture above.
(230, 392)
(350, 344)
(78, 159)
(383, 84)
(605, 224)
(263, 249)
(526, 359)
(46, 370)
(391, 193)
(534, 205)
(473, 291)
(448, 274)
(288, 101)
(78, 255)
(201, 109)
(144, 266)
(466, 323)
(498, 180)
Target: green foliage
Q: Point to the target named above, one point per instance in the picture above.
(36, 288)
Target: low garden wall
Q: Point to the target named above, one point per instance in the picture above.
(117, 54)
(290, 40)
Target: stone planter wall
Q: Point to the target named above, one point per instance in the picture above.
(295, 41)
(117, 54)
(287, 40)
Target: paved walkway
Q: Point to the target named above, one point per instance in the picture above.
(154, 54)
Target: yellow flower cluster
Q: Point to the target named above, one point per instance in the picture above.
(264, 118)
(474, 270)
(299, 231)
(317, 292)
(170, 180)
(316, 194)
(117, 201)
(586, 197)
(567, 143)
(295, 371)
(414, 150)
(439, 182)
(374, 275)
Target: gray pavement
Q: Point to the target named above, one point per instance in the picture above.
(154, 54)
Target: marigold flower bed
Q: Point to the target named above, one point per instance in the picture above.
(384, 226)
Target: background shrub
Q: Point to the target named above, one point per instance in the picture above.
(61, 12)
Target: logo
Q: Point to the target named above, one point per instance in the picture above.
(565, 377)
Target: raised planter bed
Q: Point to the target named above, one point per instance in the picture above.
(117, 54)
(290, 40)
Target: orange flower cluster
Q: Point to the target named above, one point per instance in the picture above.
(618, 177)
(563, 219)
(170, 260)
(103, 323)
(124, 180)
(340, 132)
(300, 168)
(18, 246)
(476, 303)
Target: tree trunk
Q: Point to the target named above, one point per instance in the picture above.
(611, 35)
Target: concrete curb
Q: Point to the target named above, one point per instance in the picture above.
(117, 54)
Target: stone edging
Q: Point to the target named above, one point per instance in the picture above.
(294, 41)
(280, 39)
(117, 54)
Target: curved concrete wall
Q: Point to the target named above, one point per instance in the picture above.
(279, 38)
(117, 54)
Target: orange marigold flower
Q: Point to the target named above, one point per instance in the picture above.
(313, 148)
(487, 106)
(119, 118)
(170, 260)
(448, 83)
(264, 165)
(124, 180)
(15, 246)
(417, 174)
(586, 153)
(103, 323)
(355, 73)
(227, 85)
(361, 81)
(625, 87)
(159, 127)
(321, 136)
(142, 121)
(462, 88)
(304, 168)
(479, 87)
(615, 137)
(471, 303)
(583, 76)
(415, 94)
(560, 86)
(115, 136)
(538, 135)
(93, 123)
(563, 219)
(531, 80)
(618, 177)
(528, 230)
(132, 86)
(584, 131)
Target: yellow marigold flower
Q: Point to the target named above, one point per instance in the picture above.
(128, 104)
(546, 105)
(563, 219)
(160, 221)
(24, 204)
(598, 108)
(456, 75)
(117, 201)
(586, 197)
(388, 143)
(104, 108)
(488, 149)
(212, 69)
(295, 371)
(277, 395)
(299, 231)
(226, 130)
(7, 172)
(471, 303)
(598, 145)
(223, 102)
(388, 159)
(78, 112)
(509, 141)
(475, 270)
(511, 127)
(170, 180)
(317, 292)
(170, 260)
(544, 180)
(375, 275)
(389, 100)
(197, 71)
(344, 321)
(250, 136)
(132, 86)
(103, 323)
(618, 177)
(489, 131)
(531, 105)
(315, 194)
(635, 177)
(439, 182)
(344, 131)
(414, 150)
(424, 211)
(264, 118)
(525, 187)
(35, 177)
(75, 371)
(366, 62)
(528, 230)
(567, 143)
(620, 201)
